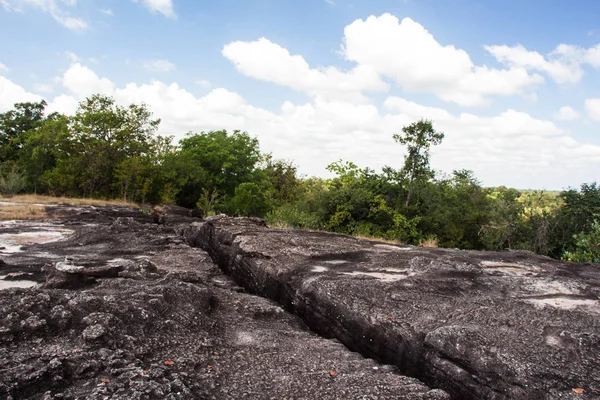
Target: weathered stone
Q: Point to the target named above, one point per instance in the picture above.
(180, 330)
(481, 325)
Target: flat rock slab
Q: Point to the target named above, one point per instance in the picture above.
(481, 325)
(161, 321)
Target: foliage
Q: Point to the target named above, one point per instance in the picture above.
(587, 246)
(11, 182)
(249, 200)
(111, 151)
(418, 138)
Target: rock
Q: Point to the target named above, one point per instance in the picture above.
(179, 331)
(94, 332)
(481, 325)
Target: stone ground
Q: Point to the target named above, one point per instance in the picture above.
(125, 308)
(480, 325)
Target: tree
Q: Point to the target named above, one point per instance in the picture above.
(418, 138)
(250, 201)
(587, 246)
(577, 214)
(13, 126)
(104, 141)
(215, 160)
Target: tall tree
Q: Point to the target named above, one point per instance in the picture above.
(418, 138)
(13, 126)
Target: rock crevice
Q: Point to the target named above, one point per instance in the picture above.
(459, 320)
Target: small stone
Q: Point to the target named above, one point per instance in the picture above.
(94, 332)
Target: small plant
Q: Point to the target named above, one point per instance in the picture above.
(429, 241)
(12, 183)
(207, 201)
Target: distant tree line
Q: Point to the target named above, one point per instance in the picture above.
(110, 151)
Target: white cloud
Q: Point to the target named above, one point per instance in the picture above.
(406, 52)
(265, 60)
(511, 148)
(82, 81)
(164, 7)
(202, 83)
(159, 65)
(107, 11)
(592, 107)
(3, 67)
(43, 88)
(54, 8)
(563, 64)
(566, 113)
(11, 93)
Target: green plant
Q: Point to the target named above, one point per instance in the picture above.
(12, 182)
(208, 201)
(587, 246)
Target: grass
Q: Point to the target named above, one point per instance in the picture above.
(39, 199)
(22, 212)
(377, 239)
(429, 242)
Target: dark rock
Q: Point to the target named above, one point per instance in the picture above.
(180, 330)
(481, 325)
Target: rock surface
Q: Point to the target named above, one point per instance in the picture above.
(128, 310)
(481, 325)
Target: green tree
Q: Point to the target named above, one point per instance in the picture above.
(418, 138)
(213, 160)
(587, 246)
(105, 140)
(13, 126)
(41, 149)
(250, 201)
(579, 210)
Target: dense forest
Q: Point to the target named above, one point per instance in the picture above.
(109, 151)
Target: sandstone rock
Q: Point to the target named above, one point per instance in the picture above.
(481, 325)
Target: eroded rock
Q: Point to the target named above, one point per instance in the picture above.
(180, 330)
(481, 325)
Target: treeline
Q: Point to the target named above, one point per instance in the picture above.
(109, 151)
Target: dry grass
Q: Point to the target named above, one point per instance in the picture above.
(22, 212)
(38, 199)
(430, 242)
(377, 239)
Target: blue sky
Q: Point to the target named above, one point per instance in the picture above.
(513, 84)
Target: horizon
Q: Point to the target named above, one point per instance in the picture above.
(327, 80)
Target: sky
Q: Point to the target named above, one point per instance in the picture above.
(514, 85)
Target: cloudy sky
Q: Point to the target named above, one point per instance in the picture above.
(513, 84)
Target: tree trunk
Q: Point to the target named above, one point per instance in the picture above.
(410, 188)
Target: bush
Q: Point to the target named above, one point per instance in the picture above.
(12, 183)
(587, 246)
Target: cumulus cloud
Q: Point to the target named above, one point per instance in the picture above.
(340, 122)
(81, 81)
(267, 61)
(164, 7)
(511, 148)
(592, 107)
(566, 113)
(159, 65)
(3, 67)
(410, 55)
(55, 8)
(11, 93)
(563, 64)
